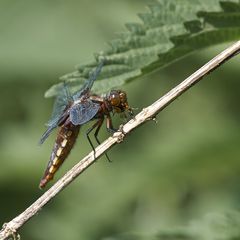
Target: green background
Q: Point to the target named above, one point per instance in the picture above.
(164, 176)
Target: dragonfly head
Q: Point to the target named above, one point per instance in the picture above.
(118, 101)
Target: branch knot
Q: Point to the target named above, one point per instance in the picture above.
(11, 231)
(120, 134)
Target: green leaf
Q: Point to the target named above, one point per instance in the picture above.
(170, 30)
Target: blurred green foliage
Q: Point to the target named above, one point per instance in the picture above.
(164, 176)
(169, 30)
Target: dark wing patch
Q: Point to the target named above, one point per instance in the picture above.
(83, 112)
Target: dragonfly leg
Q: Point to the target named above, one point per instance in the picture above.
(97, 124)
(100, 122)
(110, 127)
(87, 134)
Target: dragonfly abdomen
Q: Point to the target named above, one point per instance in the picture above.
(65, 141)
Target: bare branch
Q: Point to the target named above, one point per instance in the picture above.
(150, 112)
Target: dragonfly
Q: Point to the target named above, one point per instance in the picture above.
(74, 110)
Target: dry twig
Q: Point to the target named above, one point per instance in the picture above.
(150, 112)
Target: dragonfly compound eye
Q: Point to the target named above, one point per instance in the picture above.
(115, 99)
(123, 97)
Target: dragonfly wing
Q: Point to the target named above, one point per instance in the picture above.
(89, 83)
(59, 114)
(60, 104)
(60, 111)
(47, 133)
(83, 112)
(53, 125)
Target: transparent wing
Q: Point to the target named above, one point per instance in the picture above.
(54, 123)
(83, 112)
(80, 113)
(89, 83)
(46, 134)
(60, 105)
(58, 115)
